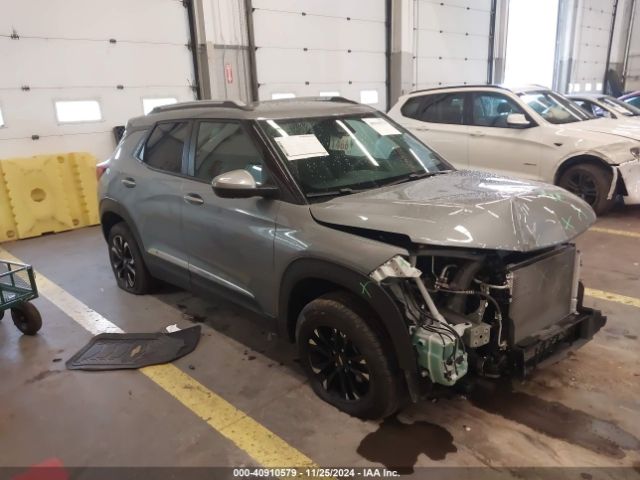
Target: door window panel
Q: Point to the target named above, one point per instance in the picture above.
(635, 101)
(165, 145)
(443, 108)
(492, 109)
(222, 147)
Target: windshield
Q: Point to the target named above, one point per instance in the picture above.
(340, 155)
(555, 108)
(620, 107)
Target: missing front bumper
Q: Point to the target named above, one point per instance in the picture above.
(553, 346)
(630, 174)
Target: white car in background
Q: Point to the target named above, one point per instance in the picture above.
(606, 106)
(532, 133)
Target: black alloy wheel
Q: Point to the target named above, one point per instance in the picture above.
(346, 361)
(583, 185)
(127, 262)
(592, 183)
(124, 265)
(341, 368)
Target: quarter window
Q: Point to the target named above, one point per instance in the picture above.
(492, 109)
(225, 146)
(165, 146)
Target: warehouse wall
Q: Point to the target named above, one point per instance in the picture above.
(116, 53)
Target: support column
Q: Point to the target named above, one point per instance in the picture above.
(402, 34)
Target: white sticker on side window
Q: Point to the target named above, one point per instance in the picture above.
(381, 126)
(296, 147)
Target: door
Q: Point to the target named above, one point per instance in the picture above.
(439, 121)
(494, 146)
(229, 240)
(153, 195)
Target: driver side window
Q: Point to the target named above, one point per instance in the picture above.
(491, 109)
(225, 146)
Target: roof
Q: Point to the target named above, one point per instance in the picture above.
(273, 109)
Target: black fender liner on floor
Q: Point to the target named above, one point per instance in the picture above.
(114, 351)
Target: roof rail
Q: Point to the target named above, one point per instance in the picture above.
(201, 104)
(316, 99)
(447, 87)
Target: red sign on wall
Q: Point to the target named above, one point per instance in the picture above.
(228, 72)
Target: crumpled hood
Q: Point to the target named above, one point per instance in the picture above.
(465, 209)
(622, 128)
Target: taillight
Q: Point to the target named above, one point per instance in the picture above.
(101, 168)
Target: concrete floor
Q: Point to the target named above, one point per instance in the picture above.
(583, 412)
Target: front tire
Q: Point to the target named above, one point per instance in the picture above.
(344, 359)
(126, 261)
(592, 183)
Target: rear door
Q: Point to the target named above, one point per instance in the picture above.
(494, 146)
(229, 241)
(440, 121)
(153, 194)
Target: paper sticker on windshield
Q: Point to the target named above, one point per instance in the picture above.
(381, 126)
(296, 147)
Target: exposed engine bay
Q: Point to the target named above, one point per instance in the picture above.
(489, 312)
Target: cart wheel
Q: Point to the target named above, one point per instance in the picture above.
(27, 318)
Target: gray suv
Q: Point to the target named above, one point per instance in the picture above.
(392, 271)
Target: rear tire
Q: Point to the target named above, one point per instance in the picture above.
(344, 359)
(127, 262)
(592, 183)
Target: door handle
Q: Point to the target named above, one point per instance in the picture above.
(477, 134)
(422, 129)
(128, 182)
(193, 199)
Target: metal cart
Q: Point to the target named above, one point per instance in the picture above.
(17, 288)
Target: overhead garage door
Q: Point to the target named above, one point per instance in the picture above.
(332, 47)
(74, 69)
(451, 42)
(595, 22)
(632, 81)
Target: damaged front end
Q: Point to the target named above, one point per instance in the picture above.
(489, 312)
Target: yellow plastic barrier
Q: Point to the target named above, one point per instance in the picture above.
(47, 193)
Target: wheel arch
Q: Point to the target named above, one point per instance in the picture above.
(111, 213)
(308, 278)
(583, 158)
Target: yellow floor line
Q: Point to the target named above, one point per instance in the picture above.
(611, 231)
(257, 441)
(612, 297)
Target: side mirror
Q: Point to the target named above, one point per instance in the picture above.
(240, 184)
(518, 120)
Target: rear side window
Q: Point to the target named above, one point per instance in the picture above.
(443, 108)
(165, 146)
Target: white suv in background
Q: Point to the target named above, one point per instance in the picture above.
(532, 133)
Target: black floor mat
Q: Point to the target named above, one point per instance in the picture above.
(113, 351)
